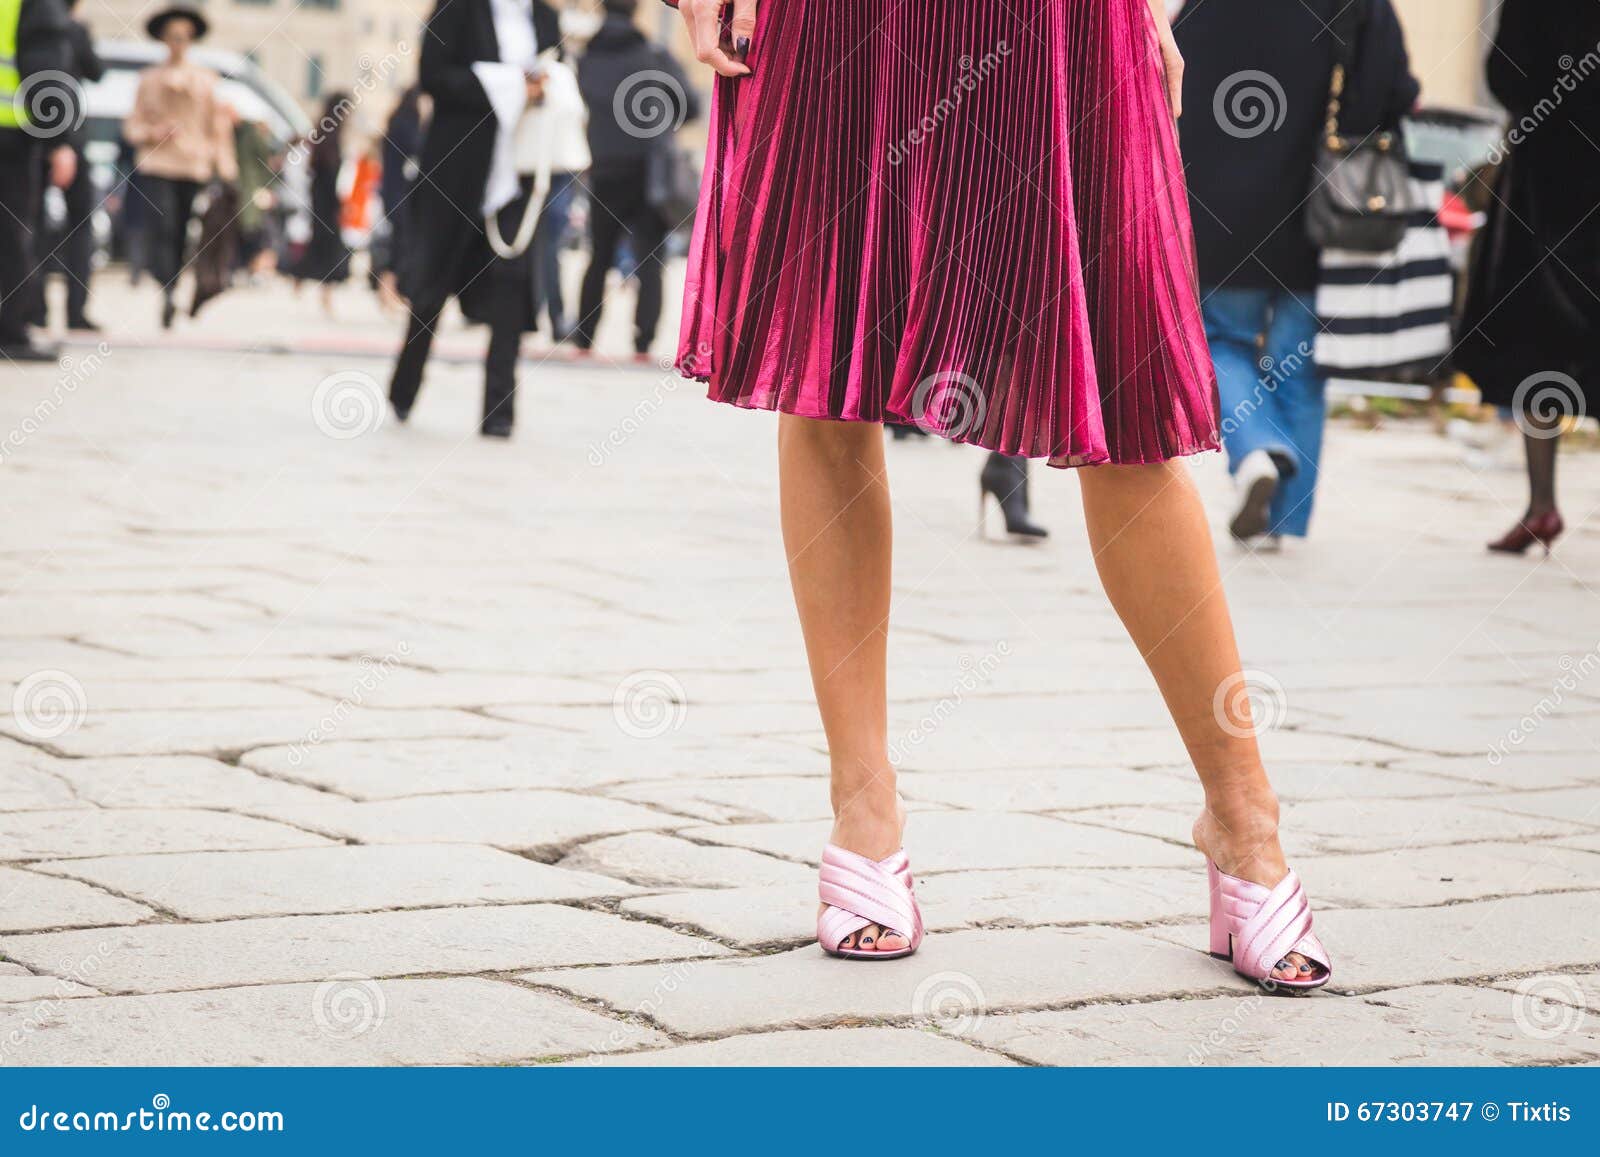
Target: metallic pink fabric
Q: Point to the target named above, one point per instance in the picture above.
(967, 214)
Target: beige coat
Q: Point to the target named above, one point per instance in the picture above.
(180, 126)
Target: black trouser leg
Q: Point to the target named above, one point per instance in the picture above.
(408, 368)
(605, 231)
(77, 253)
(19, 206)
(649, 237)
(500, 372)
(171, 204)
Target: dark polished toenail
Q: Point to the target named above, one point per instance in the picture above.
(1305, 968)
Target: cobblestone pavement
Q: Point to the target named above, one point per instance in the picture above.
(337, 745)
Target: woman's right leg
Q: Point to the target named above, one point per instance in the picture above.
(838, 533)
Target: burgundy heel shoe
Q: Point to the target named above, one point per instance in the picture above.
(1544, 530)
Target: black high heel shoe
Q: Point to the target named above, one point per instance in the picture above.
(1007, 480)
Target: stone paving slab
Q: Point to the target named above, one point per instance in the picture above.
(343, 1021)
(534, 821)
(18, 985)
(1039, 790)
(786, 913)
(1575, 805)
(25, 788)
(52, 835)
(652, 859)
(141, 695)
(1347, 826)
(1522, 771)
(729, 800)
(174, 781)
(414, 689)
(946, 841)
(1427, 1025)
(1300, 782)
(219, 885)
(1485, 938)
(954, 973)
(29, 901)
(821, 1048)
(173, 957)
(209, 732)
(554, 759)
(1424, 877)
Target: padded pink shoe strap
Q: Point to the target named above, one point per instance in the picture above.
(859, 892)
(1281, 925)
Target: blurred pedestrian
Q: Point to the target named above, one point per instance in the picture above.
(565, 122)
(1263, 74)
(258, 175)
(326, 259)
(637, 96)
(401, 150)
(480, 65)
(1530, 330)
(73, 252)
(35, 41)
(184, 135)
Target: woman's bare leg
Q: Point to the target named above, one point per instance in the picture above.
(1152, 547)
(837, 532)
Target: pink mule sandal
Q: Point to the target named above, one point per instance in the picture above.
(1255, 927)
(859, 892)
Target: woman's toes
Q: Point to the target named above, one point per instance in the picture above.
(892, 942)
(848, 942)
(869, 938)
(1283, 970)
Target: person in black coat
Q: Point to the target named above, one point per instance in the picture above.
(73, 251)
(1259, 75)
(637, 96)
(451, 256)
(1530, 328)
(43, 46)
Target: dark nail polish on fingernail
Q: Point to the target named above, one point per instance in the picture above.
(742, 46)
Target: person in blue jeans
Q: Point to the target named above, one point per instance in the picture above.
(1262, 73)
(1273, 406)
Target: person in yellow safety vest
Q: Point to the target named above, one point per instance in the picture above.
(35, 49)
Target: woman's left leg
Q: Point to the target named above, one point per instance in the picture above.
(1153, 549)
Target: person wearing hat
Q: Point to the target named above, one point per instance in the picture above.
(184, 137)
(34, 43)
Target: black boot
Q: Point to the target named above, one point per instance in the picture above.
(1007, 479)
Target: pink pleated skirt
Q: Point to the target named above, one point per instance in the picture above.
(968, 215)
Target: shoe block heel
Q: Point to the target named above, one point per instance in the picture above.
(1221, 940)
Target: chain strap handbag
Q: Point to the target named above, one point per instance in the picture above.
(1361, 196)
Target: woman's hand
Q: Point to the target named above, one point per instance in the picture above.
(1171, 58)
(704, 18)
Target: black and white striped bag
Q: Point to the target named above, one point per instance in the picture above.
(1388, 314)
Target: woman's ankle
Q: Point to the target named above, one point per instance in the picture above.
(868, 815)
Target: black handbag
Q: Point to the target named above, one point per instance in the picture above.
(672, 182)
(1361, 196)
